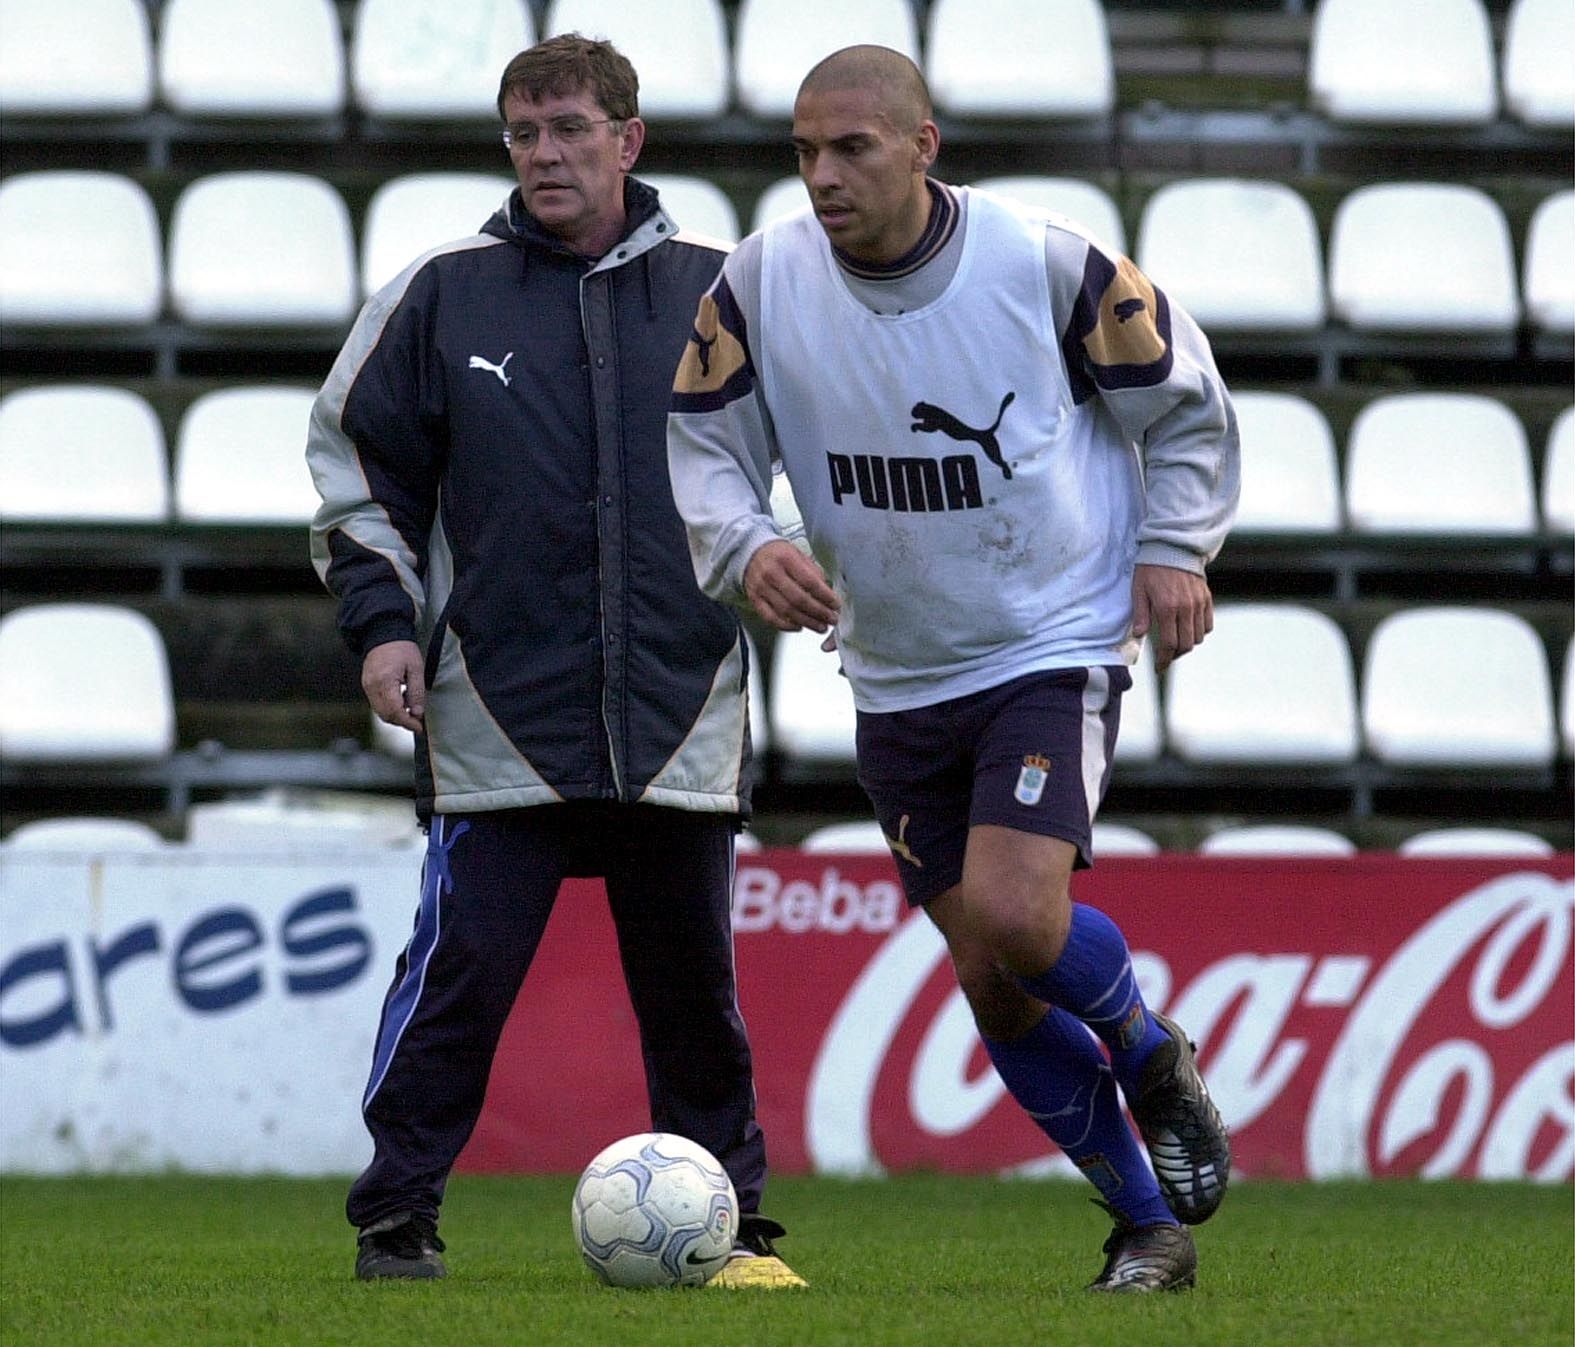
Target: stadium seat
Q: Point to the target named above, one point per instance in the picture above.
(435, 59)
(50, 67)
(82, 453)
(262, 248)
(777, 41)
(1422, 256)
(1002, 58)
(1457, 687)
(1366, 62)
(1475, 842)
(746, 842)
(1558, 475)
(279, 821)
(812, 718)
(1276, 839)
(1142, 736)
(759, 716)
(392, 739)
(282, 59)
(1439, 463)
(1083, 202)
(1290, 473)
(1539, 63)
(83, 682)
(1121, 839)
(679, 48)
(1567, 701)
(861, 838)
(77, 835)
(240, 458)
(1273, 683)
(1549, 272)
(780, 199)
(407, 216)
(697, 204)
(78, 248)
(1235, 254)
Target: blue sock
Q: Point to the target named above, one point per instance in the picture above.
(1093, 979)
(1059, 1076)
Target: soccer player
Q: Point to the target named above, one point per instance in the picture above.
(1014, 458)
(498, 528)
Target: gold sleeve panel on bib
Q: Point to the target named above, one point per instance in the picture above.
(716, 368)
(1119, 332)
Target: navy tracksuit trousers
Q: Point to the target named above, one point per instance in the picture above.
(487, 889)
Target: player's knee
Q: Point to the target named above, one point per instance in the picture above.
(1025, 928)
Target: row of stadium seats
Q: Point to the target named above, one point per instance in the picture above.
(1275, 684)
(984, 58)
(1437, 463)
(1239, 255)
(1441, 685)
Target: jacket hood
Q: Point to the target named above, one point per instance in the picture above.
(513, 222)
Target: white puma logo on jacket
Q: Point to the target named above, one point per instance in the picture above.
(481, 362)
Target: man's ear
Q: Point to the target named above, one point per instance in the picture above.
(633, 143)
(926, 146)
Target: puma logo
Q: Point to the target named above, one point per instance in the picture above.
(481, 362)
(899, 845)
(1128, 308)
(703, 350)
(927, 417)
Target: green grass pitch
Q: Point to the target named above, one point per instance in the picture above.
(948, 1261)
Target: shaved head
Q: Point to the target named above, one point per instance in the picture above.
(895, 80)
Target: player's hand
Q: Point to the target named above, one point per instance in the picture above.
(1174, 606)
(789, 590)
(395, 683)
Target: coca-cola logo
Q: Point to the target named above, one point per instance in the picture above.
(1421, 1061)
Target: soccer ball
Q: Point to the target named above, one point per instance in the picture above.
(655, 1209)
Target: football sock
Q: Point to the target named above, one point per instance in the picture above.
(1060, 1077)
(1093, 979)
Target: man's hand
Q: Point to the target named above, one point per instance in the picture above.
(395, 683)
(789, 590)
(1175, 606)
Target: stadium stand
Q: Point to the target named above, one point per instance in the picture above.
(679, 48)
(85, 834)
(105, 151)
(1276, 839)
(238, 458)
(1121, 839)
(698, 205)
(1475, 842)
(781, 197)
(282, 59)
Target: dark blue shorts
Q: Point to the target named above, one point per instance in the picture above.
(1033, 754)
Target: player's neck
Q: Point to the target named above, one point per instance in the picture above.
(936, 232)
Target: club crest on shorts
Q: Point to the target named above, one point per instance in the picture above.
(1031, 780)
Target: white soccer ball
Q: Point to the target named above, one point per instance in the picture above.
(655, 1209)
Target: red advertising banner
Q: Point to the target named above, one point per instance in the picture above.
(1375, 1015)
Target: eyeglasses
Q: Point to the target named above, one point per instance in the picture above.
(564, 131)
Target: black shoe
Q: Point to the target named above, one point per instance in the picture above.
(1182, 1129)
(1147, 1258)
(402, 1245)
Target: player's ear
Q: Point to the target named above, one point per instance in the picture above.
(926, 146)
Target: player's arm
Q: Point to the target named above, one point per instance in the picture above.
(1125, 343)
(720, 447)
(376, 470)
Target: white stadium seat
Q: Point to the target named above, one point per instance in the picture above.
(1549, 273)
(1290, 472)
(1121, 839)
(282, 59)
(1439, 463)
(82, 453)
(1235, 254)
(409, 215)
(776, 42)
(759, 715)
(78, 248)
(1084, 203)
(393, 740)
(812, 716)
(262, 248)
(779, 200)
(87, 58)
(697, 204)
(1558, 475)
(1457, 687)
(1276, 839)
(430, 59)
(77, 835)
(1142, 735)
(240, 458)
(1475, 842)
(1422, 256)
(678, 47)
(1273, 683)
(862, 838)
(83, 682)
(1403, 61)
(1539, 62)
(278, 821)
(1567, 701)
(1002, 58)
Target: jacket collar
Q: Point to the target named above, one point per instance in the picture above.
(645, 225)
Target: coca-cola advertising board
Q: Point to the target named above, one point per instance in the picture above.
(1371, 1016)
